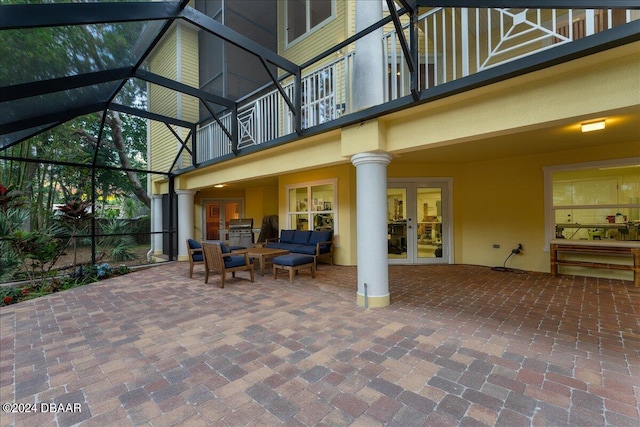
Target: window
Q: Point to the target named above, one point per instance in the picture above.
(304, 15)
(312, 206)
(594, 201)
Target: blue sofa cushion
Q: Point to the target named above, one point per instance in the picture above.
(234, 261)
(278, 245)
(325, 249)
(293, 259)
(224, 248)
(301, 237)
(302, 249)
(195, 257)
(320, 236)
(286, 236)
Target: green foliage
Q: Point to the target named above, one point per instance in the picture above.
(10, 221)
(75, 213)
(37, 250)
(11, 295)
(119, 245)
(13, 216)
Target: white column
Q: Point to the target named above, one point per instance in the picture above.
(371, 199)
(185, 221)
(368, 75)
(156, 224)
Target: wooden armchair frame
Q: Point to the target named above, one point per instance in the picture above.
(194, 251)
(214, 262)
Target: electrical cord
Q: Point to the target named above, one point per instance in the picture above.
(504, 267)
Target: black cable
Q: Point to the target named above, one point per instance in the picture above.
(504, 267)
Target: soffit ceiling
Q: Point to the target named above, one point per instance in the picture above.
(623, 127)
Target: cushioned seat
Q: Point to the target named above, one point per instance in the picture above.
(194, 250)
(293, 262)
(218, 259)
(318, 243)
(234, 261)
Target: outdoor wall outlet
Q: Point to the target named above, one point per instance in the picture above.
(496, 246)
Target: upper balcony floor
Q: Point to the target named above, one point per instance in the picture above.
(441, 51)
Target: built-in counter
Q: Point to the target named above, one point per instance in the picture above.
(596, 247)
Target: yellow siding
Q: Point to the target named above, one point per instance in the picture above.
(188, 76)
(164, 145)
(163, 101)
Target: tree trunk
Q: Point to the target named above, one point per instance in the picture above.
(116, 131)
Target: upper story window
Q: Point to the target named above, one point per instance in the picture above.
(305, 15)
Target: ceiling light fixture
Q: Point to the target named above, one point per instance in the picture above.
(219, 185)
(590, 127)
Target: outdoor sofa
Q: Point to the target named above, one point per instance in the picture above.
(318, 244)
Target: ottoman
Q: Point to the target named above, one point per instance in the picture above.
(293, 262)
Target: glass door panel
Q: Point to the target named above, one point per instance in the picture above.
(217, 215)
(212, 221)
(418, 219)
(397, 223)
(429, 222)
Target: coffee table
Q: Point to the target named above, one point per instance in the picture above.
(262, 254)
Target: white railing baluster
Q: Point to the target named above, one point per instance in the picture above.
(427, 53)
(478, 47)
(446, 53)
(436, 58)
(590, 22)
(464, 21)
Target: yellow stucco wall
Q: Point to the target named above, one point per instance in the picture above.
(345, 237)
(496, 201)
(501, 202)
(569, 91)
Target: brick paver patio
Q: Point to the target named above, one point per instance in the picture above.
(459, 346)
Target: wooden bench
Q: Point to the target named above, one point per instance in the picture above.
(598, 247)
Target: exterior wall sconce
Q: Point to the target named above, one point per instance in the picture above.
(589, 127)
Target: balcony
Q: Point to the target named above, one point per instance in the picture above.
(453, 44)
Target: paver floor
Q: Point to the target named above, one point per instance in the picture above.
(459, 346)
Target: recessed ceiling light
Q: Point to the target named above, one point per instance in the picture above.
(219, 185)
(590, 127)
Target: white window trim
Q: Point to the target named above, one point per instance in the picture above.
(309, 31)
(549, 216)
(308, 185)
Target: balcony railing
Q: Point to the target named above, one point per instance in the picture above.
(325, 97)
(453, 43)
(457, 42)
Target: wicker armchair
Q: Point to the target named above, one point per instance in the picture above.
(217, 260)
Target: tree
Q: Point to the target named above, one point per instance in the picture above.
(46, 53)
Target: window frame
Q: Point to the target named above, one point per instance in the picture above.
(549, 208)
(308, 28)
(312, 212)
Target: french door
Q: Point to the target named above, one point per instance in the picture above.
(216, 216)
(419, 222)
